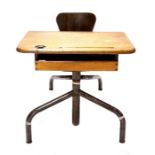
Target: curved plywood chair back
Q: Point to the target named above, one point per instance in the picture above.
(76, 21)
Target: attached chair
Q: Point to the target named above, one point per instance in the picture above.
(75, 22)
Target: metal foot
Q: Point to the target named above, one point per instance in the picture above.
(42, 108)
(110, 108)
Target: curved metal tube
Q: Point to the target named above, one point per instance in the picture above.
(58, 77)
(110, 108)
(69, 77)
(91, 77)
(40, 109)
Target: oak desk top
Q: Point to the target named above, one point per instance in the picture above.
(75, 43)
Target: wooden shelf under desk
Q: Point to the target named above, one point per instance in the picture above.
(76, 62)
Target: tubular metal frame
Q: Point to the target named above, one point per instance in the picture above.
(69, 77)
(75, 94)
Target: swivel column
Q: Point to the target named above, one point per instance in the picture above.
(76, 98)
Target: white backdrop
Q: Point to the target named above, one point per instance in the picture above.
(131, 89)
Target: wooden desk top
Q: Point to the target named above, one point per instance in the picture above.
(76, 43)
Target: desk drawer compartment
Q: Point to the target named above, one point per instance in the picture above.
(73, 62)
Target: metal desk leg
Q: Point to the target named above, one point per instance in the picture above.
(76, 98)
(42, 108)
(110, 108)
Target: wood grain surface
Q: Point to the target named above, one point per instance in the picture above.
(76, 43)
(76, 65)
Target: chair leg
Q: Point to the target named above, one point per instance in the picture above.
(76, 98)
(58, 77)
(110, 108)
(42, 108)
(90, 77)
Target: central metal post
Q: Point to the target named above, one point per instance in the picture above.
(76, 98)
